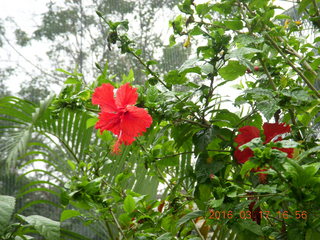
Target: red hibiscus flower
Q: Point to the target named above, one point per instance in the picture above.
(247, 133)
(118, 115)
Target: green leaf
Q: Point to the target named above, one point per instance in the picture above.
(252, 227)
(124, 219)
(66, 214)
(64, 71)
(91, 122)
(216, 203)
(129, 78)
(309, 151)
(303, 5)
(254, 143)
(234, 24)
(268, 108)
(284, 144)
(195, 31)
(84, 95)
(232, 71)
(71, 80)
(172, 40)
(185, 7)
(240, 53)
(46, 227)
(312, 234)
(189, 216)
(175, 77)
(166, 236)
(7, 204)
(72, 164)
(247, 166)
(190, 66)
(129, 204)
(202, 9)
(202, 138)
(266, 188)
(282, 16)
(225, 118)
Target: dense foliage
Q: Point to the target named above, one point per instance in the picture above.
(202, 170)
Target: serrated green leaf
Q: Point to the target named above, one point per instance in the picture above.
(232, 71)
(66, 214)
(129, 204)
(175, 77)
(128, 78)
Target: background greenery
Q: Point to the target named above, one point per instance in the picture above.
(61, 175)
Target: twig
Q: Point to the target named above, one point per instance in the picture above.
(198, 231)
(316, 8)
(273, 85)
(178, 154)
(117, 224)
(305, 79)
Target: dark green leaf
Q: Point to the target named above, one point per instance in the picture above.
(252, 226)
(190, 216)
(175, 77)
(234, 24)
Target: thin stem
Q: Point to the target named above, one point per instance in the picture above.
(273, 85)
(117, 224)
(290, 50)
(316, 7)
(293, 119)
(162, 177)
(205, 125)
(178, 154)
(198, 231)
(262, 195)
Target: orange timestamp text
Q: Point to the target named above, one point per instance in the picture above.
(217, 215)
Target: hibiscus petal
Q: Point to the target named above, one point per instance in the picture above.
(126, 95)
(272, 130)
(110, 122)
(247, 133)
(134, 122)
(104, 97)
(243, 156)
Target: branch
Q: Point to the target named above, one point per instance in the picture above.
(305, 79)
(273, 85)
(117, 223)
(198, 231)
